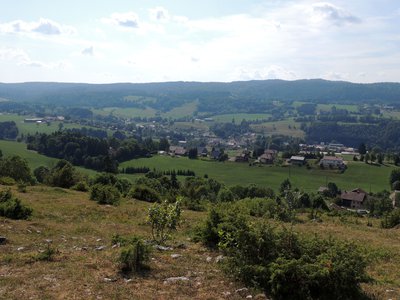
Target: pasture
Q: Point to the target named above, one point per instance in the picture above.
(368, 177)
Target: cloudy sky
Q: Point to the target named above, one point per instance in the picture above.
(208, 40)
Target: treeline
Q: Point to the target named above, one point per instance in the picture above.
(8, 130)
(94, 153)
(145, 170)
(385, 134)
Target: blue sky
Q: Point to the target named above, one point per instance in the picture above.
(148, 41)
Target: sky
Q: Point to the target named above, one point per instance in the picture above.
(208, 40)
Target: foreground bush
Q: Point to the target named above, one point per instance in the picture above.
(145, 193)
(134, 255)
(105, 194)
(391, 219)
(12, 208)
(164, 218)
(283, 264)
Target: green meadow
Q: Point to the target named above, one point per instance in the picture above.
(34, 159)
(368, 177)
(226, 118)
(32, 128)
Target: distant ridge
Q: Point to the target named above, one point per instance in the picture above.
(314, 90)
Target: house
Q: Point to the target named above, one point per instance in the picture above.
(202, 151)
(243, 157)
(268, 157)
(298, 160)
(354, 198)
(177, 150)
(322, 189)
(332, 162)
(215, 154)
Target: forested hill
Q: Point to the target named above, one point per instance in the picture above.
(167, 95)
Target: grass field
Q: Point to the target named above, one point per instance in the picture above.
(76, 226)
(287, 127)
(32, 128)
(34, 159)
(128, 112)
(227, 118)
(186, 110)
(358, 174)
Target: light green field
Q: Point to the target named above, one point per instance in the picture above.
(239, 117)
(32, 128)
(190, 126)
(391, 114)
(358, 174)
(327, 107)
(186, 110)
(128, 112)
(279, 127)
(34, 159)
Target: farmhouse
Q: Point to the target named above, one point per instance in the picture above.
(268, 156)
(177, 150)
(202, 151)
(354, 198)
(298, 160)
(215, 154)
(332, 162)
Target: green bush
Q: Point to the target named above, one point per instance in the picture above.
(280, 262)
(12, 208)
(391, 219)
(134, 256)
(5, 180)
(47, 254)
(145, 193)
(105, 194)
(164, 218)
(81, 186)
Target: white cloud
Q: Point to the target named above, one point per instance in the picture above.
(20, 58)
(127, 20)
(43, 26)
(159, 14)
(270, 72)
(89, 51)
(328, 12)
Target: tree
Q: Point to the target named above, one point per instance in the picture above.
(394, 176)
(17, 168)
(362, 149)
(105, 194)
(396, 185)
(367, 157)
(163, 145)
(285, 186)
(63, 175)
(192, 153)
(164, 218)
(41, 173)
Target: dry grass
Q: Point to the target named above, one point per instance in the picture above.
(77, 226)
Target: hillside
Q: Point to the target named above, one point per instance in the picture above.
(76, 227)
(165, 96)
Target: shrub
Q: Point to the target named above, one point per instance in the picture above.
(134, 256)
(47, 254)
(391, 219)
(5, 180)
(81, 186)
(12, 208)
(164, 218)
(105, 194)
(21, 187)
(288, 267)
(41, 174)
(145, 193)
